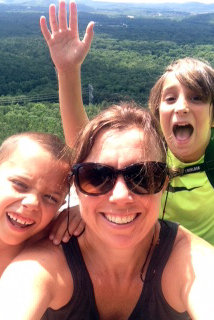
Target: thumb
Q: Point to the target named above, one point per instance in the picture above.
(89, 35)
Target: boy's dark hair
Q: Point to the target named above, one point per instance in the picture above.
(49, 142)
(194, 74)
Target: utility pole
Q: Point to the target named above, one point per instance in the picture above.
(91, 96)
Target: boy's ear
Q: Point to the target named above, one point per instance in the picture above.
(212, 115)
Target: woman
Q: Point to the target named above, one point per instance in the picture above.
(127, 264)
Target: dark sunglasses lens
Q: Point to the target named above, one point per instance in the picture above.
(146, 179)
(95, 179)
(136, 180)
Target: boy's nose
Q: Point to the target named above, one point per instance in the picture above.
(31, 202)
(181, 106)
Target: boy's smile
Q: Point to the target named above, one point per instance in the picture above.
(33, 187)
(185, 120)
(19, 221)
(182, 131)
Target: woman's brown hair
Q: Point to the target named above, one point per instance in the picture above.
(118, 117)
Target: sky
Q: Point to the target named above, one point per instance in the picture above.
(160, 1)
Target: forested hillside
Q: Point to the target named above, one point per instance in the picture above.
(127, 56)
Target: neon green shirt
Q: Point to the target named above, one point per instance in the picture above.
(190, 200)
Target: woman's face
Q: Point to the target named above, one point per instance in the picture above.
(121, 218)
(32, 189)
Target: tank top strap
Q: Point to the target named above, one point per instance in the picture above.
(162, 250)
(152, 304)
(81, 279)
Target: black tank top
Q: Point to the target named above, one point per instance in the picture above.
(151, 304)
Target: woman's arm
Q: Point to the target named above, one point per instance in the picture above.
(68, 53)
(197, 293)
(188, 277)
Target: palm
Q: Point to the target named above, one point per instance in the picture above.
(66, 50)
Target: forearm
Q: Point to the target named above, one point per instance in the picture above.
(72, 110)
(68, 53)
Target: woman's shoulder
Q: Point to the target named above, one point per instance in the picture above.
(193, 259)
(192, 251)
(43, 271)
(186, 241)
(188, 273)
(42, 251)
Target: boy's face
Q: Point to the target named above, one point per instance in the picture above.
(185, 120)
(32, 189)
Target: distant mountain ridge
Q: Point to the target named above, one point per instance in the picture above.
(90, 5)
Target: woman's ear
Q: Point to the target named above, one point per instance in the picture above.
(165, 184)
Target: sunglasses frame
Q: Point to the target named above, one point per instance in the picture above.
(116, 173)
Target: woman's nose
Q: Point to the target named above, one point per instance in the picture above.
(120, 191)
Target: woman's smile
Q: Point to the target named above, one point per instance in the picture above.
(120, 220)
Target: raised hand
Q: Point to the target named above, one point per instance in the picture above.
(66, 49)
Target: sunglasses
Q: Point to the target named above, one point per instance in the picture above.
(96, 179)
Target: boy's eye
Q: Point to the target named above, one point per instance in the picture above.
(170, 99)
(50, 198)
(196, 98)
(19, 184)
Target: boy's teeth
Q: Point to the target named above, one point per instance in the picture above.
(14, 217)
(120, 220)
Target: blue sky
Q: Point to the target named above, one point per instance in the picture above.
(159, 1)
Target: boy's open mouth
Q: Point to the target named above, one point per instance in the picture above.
(182, 132)
(18, 221)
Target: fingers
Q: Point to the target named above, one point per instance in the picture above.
(46, 33)
(88, 35)
(76, 227)
(62, 16)
(73, 22)
(79, 229)
(52, 18)
(59, 231)
(59, 228)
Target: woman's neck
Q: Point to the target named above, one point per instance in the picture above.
(116, 261)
